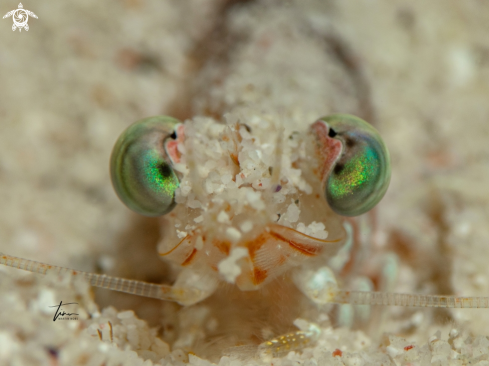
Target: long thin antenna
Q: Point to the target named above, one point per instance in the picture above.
(140, 288)
(169, 293)
(408, 300)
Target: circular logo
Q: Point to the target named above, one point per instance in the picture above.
(20, 18)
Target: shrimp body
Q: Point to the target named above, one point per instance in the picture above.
(245, 211)
(250, 210)
(250, 226)
(251, 203)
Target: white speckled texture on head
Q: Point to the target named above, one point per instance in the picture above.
(85, 70)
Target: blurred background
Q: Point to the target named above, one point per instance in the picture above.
(85, 70)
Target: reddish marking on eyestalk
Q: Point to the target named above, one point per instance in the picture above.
(223, 246)
(172, 150)
(303, 248)
(171, 146)
(189, 259)
(337, 353)
(328, 149)
(181, 132)
(259, 275)
(407, 348)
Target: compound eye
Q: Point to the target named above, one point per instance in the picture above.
(360, 176)
(140, 167)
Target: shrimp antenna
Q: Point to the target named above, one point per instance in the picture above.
(170, 293)
(134, 287)
(408, 300)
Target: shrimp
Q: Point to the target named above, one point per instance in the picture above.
(248, 185)
(236, 214)
(247, 229)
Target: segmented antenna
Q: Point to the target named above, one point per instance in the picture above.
(409, 300)
(140, 288)
(170, 293)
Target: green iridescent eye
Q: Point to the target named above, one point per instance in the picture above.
(360, 176)
(141, 169)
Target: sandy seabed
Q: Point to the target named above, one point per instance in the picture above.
(85, 70)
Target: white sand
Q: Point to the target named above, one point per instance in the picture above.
(85, 71)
